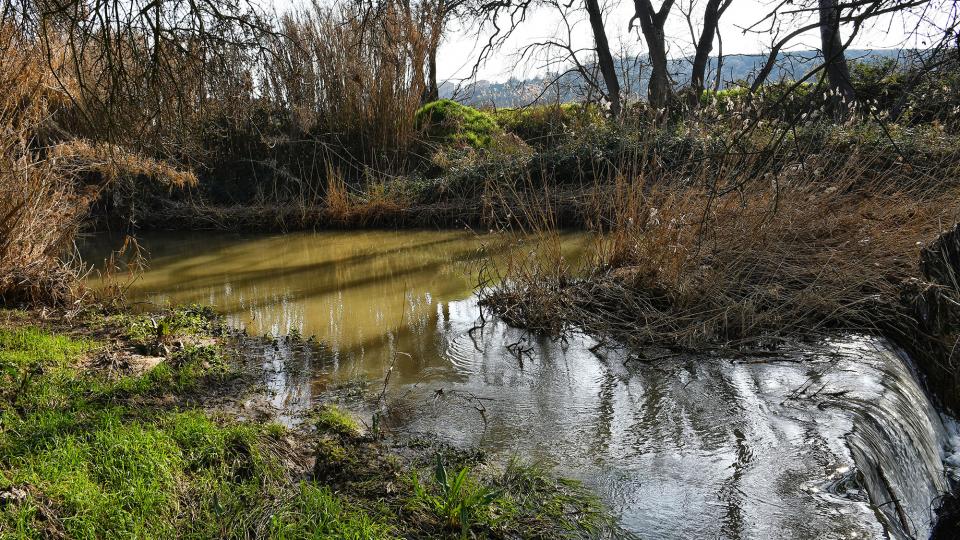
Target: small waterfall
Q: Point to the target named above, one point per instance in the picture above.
(898, 442)
(833, 440)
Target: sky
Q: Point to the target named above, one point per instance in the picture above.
(460, 47)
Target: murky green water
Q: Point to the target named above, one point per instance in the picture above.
(814, 445)
(365, 295)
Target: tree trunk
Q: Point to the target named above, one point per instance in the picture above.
(838, 75)
(711, 18)
(432, 91)
(604, 58)
(660, 89)
(434, 23)
(651, 26)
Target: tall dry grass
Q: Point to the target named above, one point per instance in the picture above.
(49, 178)
(725, 253)
(352, 77)
(334, 88)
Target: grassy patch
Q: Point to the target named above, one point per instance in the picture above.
(547, 506)
(150, 331)
(29, 345)
(315, 512)
(456, 498)
(87, 455)
(332, 419)
(88, 464)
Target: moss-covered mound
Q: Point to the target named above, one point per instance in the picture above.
(450, 122)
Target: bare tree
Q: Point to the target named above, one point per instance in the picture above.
(704, 46)
(652, 22)
(435, 16)
(854, 14)
(604, 58)
(502, 18)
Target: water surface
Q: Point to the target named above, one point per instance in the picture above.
(833, 441)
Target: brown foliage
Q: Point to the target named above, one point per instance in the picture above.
(722, 258)
(48, 179)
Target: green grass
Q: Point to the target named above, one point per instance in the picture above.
(457, 499)
(28, 345)
(148, 329)
(110, 474)
(315, 512)
(92, 466)
(332, 419)
(548, 506)
(84, 455)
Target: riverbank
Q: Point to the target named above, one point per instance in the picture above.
(755, 267)
(573, 178)
(150, 425)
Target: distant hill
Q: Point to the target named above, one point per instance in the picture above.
(571, 87)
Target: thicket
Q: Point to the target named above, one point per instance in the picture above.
(449, 151)
(50, 177)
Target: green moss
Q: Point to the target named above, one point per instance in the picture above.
(544, 125)
(276, 429)
(453, 123)
(332, 419)
(332, 460)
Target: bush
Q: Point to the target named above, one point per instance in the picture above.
(772, 99)
(880, 83)
(936, 97)
(548, 124)
(450, 122)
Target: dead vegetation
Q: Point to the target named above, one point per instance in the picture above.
(717, 257)
(49, 180)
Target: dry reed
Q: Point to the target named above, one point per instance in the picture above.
(692, 258)
(49, 180)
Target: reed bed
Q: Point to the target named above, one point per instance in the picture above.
(721, 256)
(49, 179)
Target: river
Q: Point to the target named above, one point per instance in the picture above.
(834, 440)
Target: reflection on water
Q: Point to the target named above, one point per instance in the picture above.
(688, 447)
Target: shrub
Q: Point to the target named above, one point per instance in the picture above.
(548, 124)
(880, 83)
(450, 122)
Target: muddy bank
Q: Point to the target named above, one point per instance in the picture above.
(927, 323)
(568, 208)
